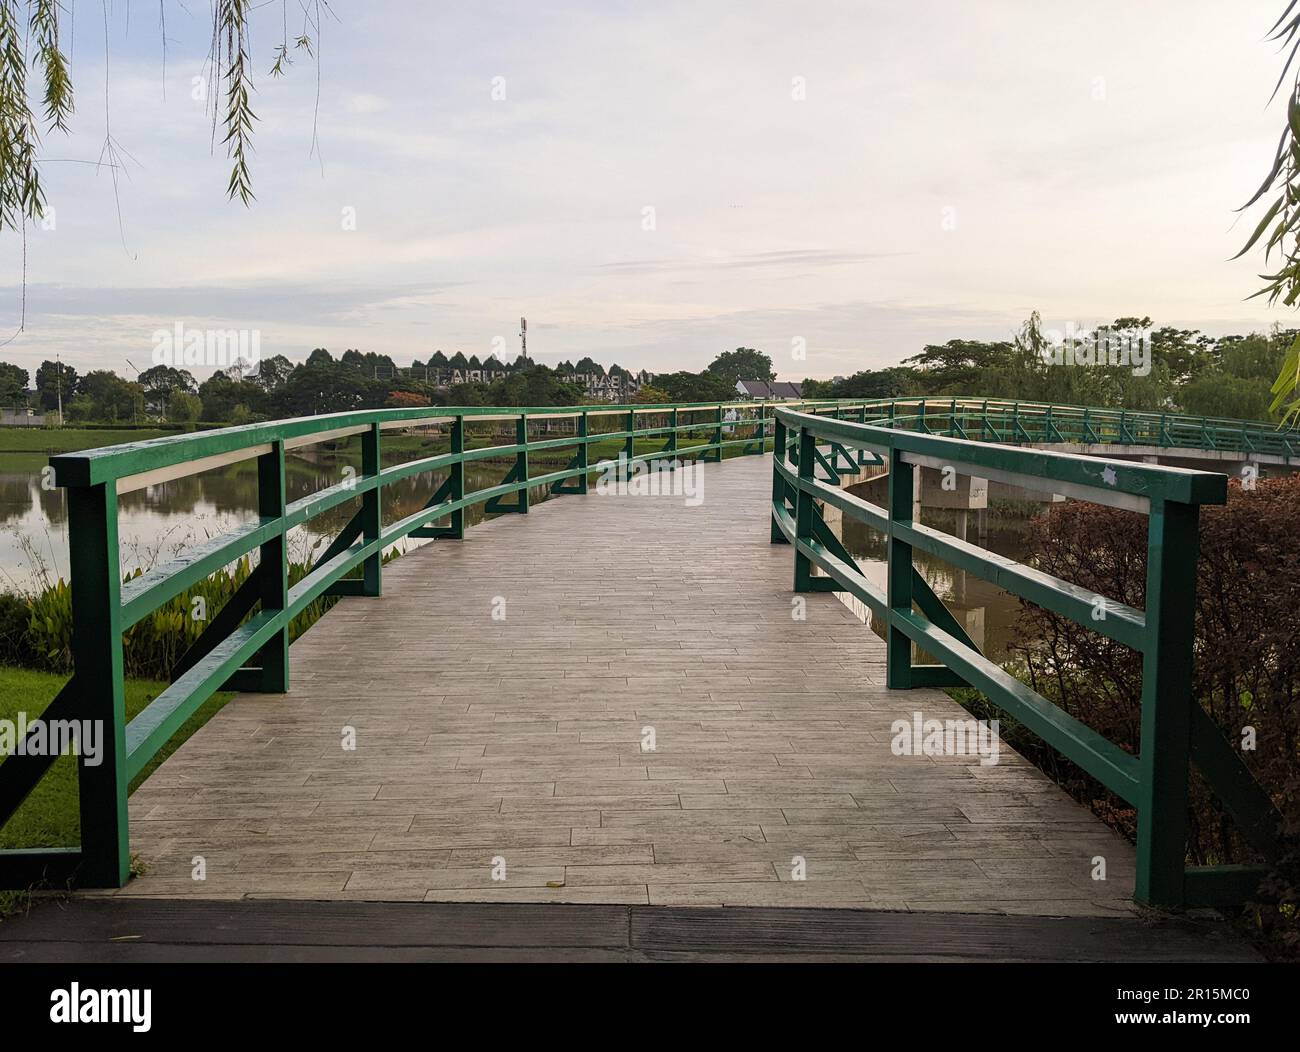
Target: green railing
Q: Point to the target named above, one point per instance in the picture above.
(1174, 727)
(1037, 423)
(245, 645)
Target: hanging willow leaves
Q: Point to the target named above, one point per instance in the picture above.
(33, 65)
(233, 68)
(1279, 230)
(20, 180)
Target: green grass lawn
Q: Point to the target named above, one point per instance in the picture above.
(48, 818)
(69, 439)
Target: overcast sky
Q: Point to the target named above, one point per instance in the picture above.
(864, 177)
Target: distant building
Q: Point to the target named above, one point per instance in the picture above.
(767, 389)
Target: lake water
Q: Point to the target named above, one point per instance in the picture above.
(988, 613)
(160, 522)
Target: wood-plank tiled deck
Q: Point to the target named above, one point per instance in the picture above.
(520, 739)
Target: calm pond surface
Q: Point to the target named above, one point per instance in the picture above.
(988, 613)
(158, 523)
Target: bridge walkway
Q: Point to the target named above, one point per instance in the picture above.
(514, 746)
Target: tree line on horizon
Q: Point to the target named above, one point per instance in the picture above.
(278, 388)
(1190, 373)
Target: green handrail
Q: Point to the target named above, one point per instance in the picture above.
(1174, 728)
(254, 624)
(246, 644)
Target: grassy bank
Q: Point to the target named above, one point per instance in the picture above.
(69, 439)
(49, 818)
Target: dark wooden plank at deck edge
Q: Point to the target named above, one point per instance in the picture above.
(934, 936)
(271, 922)
(178, 930)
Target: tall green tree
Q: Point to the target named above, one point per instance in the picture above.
(696, 387)
(535, 386)
(744, 363)
(223, 396)
(184, 408)
(161, 381)
(869, 383)
(55, 379)
(272, 373)
(13, 385)
(104, 396)
(957, 366)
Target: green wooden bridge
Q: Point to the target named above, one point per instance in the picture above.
(609, 700)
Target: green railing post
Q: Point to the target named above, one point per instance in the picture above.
(717, 436)
(521, 459)
(273, 569)
(457, 477)
(582, 452)
(97, 668)
(761, 432)
(371, 516)
(629, 443)
(803, 528)
(898, 657)
(1173, 544)
(778, 483)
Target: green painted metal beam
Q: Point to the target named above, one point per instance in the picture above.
(21, 772)
(153, 727)
(1223, 886)
(45, 867)
(1174, 728)
(1108, 763)
(1251, 807)
(896, 429)
(97, 659)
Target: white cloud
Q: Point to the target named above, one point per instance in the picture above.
(822, 218)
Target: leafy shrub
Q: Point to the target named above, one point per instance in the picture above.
(14, 615)
(1247, 655)
(154, 646)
